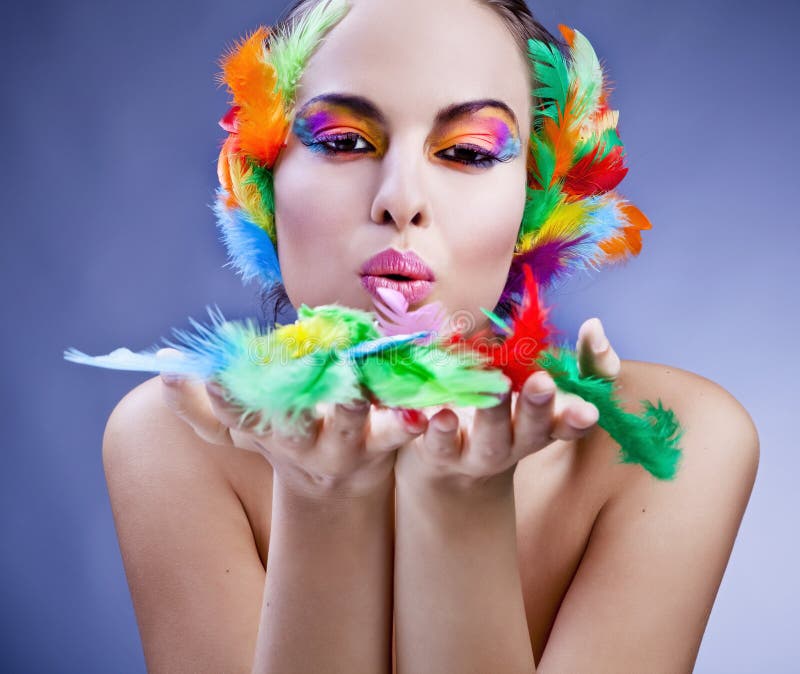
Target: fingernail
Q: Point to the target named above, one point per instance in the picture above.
(357, 406)
(540, 398)
(215, 389)
(599, 343)
(445, 424)
(171, 378)
(414, 420)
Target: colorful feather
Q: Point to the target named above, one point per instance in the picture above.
(649, 439)
(290, 49)
(527, 334)
(261, 119)
(572, 221)
(261, 72)
(333, 354)
(250, 249)
(394, 318)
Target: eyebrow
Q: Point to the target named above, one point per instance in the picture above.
(366, 108)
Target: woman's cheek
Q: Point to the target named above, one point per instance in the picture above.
(317, 210)
(483, 245)
(488, 228)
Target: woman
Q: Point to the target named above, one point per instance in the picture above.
(506, 540)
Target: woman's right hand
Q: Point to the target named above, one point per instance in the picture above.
(350, 451)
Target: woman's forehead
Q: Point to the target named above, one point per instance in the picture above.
(416, 56)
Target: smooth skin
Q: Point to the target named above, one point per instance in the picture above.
(601, 567)
(515, 538)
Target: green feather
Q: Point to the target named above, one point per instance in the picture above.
(606, 141)
(650, 439)
(538, 207)
(261, 177)
(290, 49)
(264, 375)
(499, 322)
(413, 376)
(545, 160)
(552, 74)
(586, 72)
(360, 324)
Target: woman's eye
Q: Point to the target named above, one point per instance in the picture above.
(341, 143)
(471, 155)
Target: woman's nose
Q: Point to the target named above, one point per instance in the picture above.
(401, 198)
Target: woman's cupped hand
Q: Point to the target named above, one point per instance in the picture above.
(355, 450)
(344, 451)
(469, 449)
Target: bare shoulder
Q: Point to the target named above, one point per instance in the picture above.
(719, 432)
(187, 545)
(643, 591)
(719, 444)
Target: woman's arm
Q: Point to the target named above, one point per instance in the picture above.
(458, 591)
(327, 604)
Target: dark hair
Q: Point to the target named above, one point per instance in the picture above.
(519, 20)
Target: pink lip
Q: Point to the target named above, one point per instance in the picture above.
(419, 277)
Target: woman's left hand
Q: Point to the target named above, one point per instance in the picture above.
(465, 447)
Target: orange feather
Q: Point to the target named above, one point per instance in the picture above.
(563, 137)
(262, 119)
(630, 242)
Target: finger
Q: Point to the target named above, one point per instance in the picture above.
(442, 439)
(344, 426)
(298, 434)
(188, 399)
(392, 428)
(574, 416)
(169, 377)
(595, 354)
(232, 414)
(489, 442)
(534, 418)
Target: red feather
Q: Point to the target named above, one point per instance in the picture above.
(589, 177)
(530, 334)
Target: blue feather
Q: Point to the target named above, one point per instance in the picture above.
(252, 253)
(143, 361)
(203, 353)
(375, 345)
(216, 345)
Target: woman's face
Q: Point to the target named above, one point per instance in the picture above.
(388, 170)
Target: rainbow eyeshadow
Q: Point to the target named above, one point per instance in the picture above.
(321, 120)
(488, 127)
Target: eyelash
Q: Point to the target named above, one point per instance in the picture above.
(320, 145)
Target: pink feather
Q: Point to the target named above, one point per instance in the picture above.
(398, 320)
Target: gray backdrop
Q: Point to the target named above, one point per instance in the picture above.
(109, 115)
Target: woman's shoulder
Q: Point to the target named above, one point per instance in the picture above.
(714, 422)
(194, 562)
(145, 441)
(656, 543)
(144, 434)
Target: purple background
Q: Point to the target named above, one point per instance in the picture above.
(109, 115)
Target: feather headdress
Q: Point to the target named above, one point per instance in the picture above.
(573, 220)
(261, 72)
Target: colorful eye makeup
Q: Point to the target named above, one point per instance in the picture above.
(487, 131)
(328, 127)
(477, 133)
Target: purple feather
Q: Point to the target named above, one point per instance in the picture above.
(549, 261)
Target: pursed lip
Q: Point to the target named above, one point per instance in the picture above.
(393, 263)
(404, 272)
